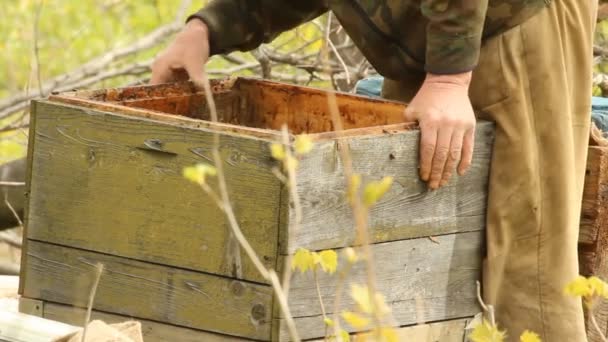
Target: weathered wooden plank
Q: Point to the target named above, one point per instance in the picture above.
(408, 210)
(19, 327)
(594, 217)
(593, 237)
(159, 293)
(447, 331)
(152, 331)
(113, 193)
(422, 281)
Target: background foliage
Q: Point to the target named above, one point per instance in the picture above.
(46, 38)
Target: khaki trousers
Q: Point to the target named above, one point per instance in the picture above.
(534, 81)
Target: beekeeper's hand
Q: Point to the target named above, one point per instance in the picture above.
(185, 58)
(447, 124)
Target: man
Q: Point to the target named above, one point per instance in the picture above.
(525, 64)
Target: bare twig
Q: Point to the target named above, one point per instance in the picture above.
(323, 312)
(12, 209)
(5, 183)
(333, 48)
(36, 47)
(489, 309)
(10, 239)
(98, 271)
(225, 205)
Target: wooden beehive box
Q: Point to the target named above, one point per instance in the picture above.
(106, 185)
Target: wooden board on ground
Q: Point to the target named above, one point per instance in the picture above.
(152, 331)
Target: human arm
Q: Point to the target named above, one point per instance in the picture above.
(442, 106)
(224, 26)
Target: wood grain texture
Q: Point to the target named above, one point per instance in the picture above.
(422, 280)
(594, 216)
(447, 331)
(113, 193)
(408, 210)
(159, 293)
(593, 238)
(152, 331)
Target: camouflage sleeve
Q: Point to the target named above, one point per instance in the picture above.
(245, 24)
(453, 34)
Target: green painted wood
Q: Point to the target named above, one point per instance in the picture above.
(98, 184)
(408, 210)
(153, 292)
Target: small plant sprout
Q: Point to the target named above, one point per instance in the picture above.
(305, 260)
(199, 173)
(487, 332)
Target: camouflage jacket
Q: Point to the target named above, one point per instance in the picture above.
(439, 36)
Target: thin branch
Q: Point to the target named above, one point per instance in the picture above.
(489, 309)
(36, 47)
(98, 271)
(12, 209)
(225, 205)
(11, 239)
(323, 312)
(6, 183)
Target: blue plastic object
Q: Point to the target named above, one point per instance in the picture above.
(599, 113)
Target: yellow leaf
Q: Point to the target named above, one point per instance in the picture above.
(375, 190)
(579, 287)
(353, 186)
(302, 260)
(598, 286)
(199, 172)
(303, 144)
(486, 332)
(277, 151)
(351, 255)
(355, 320)
(529, 336)
(328, 261)
(328, 322)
